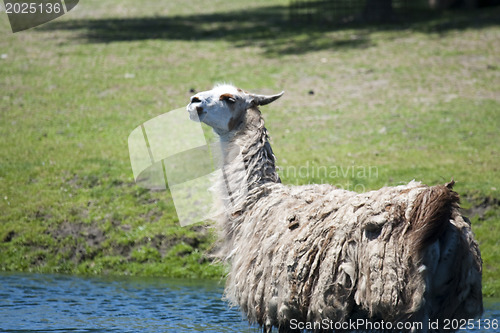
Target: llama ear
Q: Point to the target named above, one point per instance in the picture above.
(265, 99)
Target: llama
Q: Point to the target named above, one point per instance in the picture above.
(314, 254)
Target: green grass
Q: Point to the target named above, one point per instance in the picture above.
(413, 100)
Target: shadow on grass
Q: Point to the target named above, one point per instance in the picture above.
(272, 28)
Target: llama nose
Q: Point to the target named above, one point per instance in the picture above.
(199, 109)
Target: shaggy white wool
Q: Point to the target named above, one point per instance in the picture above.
(308, 253)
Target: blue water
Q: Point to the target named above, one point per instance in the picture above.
(58, 303)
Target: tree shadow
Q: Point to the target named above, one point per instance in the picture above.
(273, 28)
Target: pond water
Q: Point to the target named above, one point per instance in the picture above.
(59, 303)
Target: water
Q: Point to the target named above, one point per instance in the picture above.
(58, 303)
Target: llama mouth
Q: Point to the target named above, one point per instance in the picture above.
(196, 115)
(201, 115)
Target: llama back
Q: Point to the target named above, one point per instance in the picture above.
(326, 253)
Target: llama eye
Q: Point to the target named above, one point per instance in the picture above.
(228, 98)
(195, 100)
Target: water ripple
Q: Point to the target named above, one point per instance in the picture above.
(58, 303)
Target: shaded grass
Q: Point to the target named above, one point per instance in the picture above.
(365, 107)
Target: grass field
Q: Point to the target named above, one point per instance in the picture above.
(365, 106)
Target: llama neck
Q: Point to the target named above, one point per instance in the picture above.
(255, 164)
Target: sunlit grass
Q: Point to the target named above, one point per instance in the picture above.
(409, 101)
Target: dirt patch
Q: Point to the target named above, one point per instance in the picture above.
(86, 240)
(9, 236)
(90, 232)
(163, 243)
(480, 206)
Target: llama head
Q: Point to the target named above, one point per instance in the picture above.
(223, 107)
